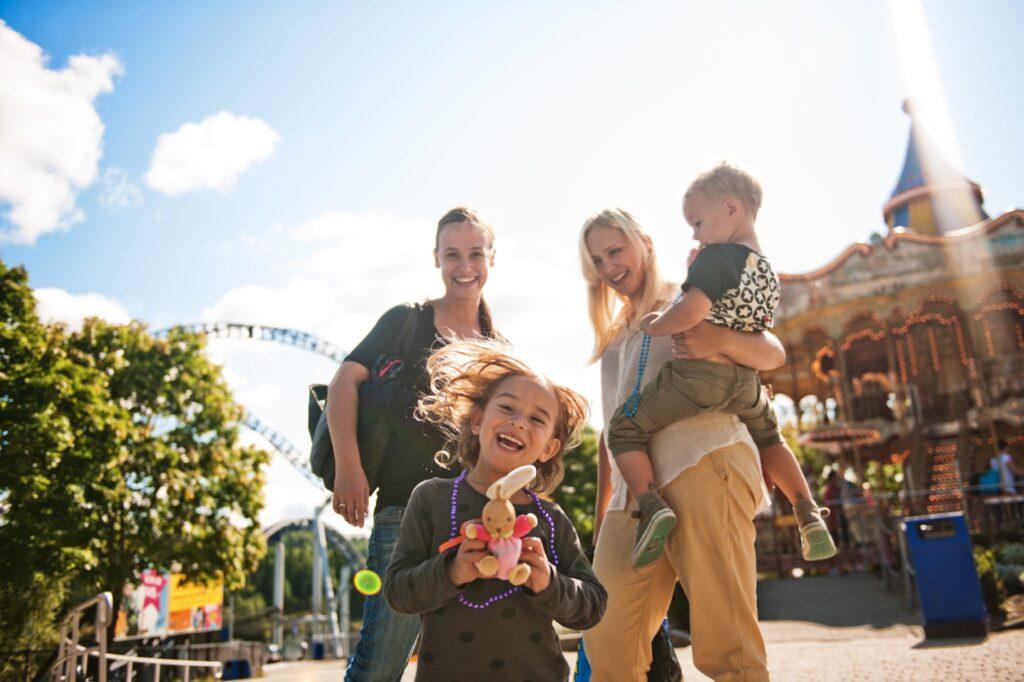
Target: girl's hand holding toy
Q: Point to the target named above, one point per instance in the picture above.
(540, 570)
(462, 569)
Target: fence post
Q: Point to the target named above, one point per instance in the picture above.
(73, 673)
(104, 608)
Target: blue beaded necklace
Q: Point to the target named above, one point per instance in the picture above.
(632, 403)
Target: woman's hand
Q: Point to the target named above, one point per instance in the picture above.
(700, 342)
(462, 569)
(351, 491)
(540, 570)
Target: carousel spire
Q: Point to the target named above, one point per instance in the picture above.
(931, 196)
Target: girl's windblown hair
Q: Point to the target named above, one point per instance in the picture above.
(463, 377)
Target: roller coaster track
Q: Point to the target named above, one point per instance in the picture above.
(258, 332)
(297, 458)
(290, 337)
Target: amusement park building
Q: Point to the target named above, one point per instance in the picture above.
(910, 348)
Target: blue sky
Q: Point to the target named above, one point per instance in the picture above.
(537, 114)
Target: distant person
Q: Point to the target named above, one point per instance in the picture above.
(464, 253)
(500, 416)
(731, 284)
(832, 497)
(1008, 471)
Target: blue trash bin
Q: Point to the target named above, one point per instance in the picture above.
(236, 669)
(947, 580)
(318, 651)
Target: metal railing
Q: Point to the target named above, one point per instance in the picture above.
(217, 652)
(131, 660)
(73, 657)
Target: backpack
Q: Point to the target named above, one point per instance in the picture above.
(990, 482)
(382, 398)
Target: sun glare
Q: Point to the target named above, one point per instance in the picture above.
(921, 77)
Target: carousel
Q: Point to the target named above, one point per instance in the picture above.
(910, 348)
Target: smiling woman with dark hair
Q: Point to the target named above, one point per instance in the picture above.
(464, 253)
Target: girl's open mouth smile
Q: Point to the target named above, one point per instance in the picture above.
(510, 443)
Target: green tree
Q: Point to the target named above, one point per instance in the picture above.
(577, 493)
(60, 439)
(118, 452)
(190, 493)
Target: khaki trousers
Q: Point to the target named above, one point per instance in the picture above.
(710, 552)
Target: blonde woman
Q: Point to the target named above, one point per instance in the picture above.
(706, 468)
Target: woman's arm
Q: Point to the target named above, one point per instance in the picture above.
(351, 491)
(604, 485)
(758, 350)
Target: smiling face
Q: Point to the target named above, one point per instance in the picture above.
(516, 426)
(714, 220)
(618, 263)
(464, 254)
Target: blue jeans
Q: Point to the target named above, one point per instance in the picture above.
(386, 638)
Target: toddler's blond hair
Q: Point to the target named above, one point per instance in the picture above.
(724, 180)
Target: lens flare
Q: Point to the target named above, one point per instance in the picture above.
(367, 582)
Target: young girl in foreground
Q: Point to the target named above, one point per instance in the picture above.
(499, 415)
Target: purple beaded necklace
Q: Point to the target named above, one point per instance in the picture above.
(455, 531)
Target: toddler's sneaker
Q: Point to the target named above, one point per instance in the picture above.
(656, 521)
(816, 542)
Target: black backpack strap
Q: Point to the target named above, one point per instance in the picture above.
(407, 334)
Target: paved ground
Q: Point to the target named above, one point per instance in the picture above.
(838, 628)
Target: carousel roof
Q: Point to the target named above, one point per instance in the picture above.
(894, 238)
(925, 171)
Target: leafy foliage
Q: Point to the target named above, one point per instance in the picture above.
(577, 493)
(992, 588)
(118, 452)
(189, 493)
(60, 441)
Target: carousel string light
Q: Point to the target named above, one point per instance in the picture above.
(879, 378)
(862, 334)
(933, 347)
(901, 361)
(983, 313)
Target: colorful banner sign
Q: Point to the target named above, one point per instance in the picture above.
(164, 604)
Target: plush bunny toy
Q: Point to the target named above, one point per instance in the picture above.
(503, 530)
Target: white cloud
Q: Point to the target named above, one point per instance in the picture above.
(118, 190)
(58, 305)
(50, 135)
(347, 273)
(211, 154)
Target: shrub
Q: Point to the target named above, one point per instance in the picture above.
(992, 588)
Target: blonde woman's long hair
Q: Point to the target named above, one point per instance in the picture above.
(611, 313)
(463, 377)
